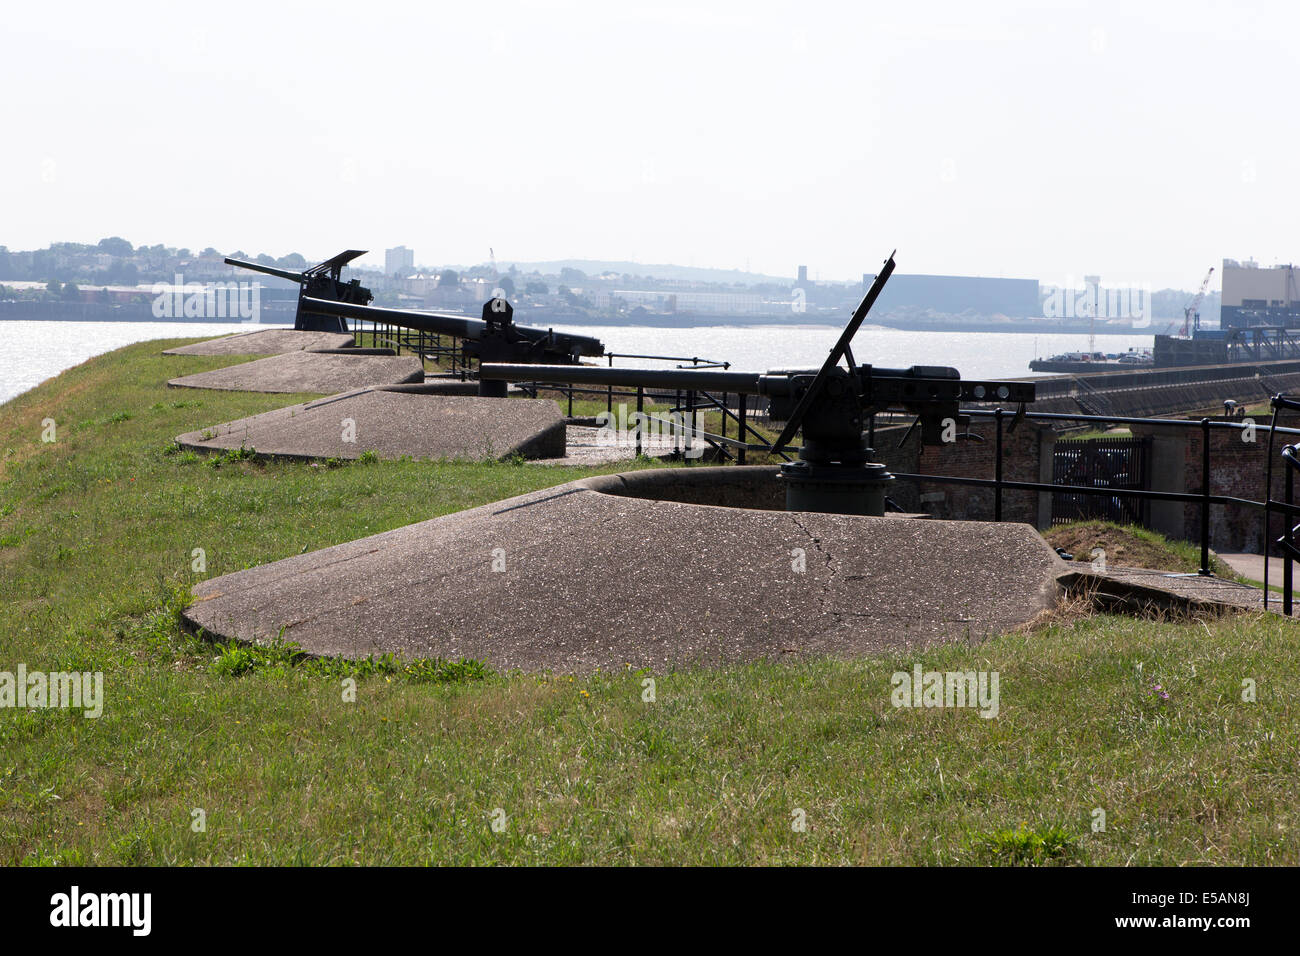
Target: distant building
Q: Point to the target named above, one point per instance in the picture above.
(1255, 296)
(713, 303)
(399, 261)
(419, 283)
(1014, 298)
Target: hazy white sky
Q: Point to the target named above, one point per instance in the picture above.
(1140, 141)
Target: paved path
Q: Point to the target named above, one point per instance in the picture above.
(1252, 566)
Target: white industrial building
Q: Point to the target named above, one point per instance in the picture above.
(1258, 296)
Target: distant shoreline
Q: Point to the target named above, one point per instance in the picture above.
(96, 312)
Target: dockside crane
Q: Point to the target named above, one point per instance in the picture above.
(1192, 310)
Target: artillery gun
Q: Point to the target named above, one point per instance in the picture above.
(835, 471)
(494, 338)
(321, 282)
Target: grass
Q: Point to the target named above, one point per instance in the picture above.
(1089, 434)
(1132, 546)
(308, 761)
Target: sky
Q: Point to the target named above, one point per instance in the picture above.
(1142, 142)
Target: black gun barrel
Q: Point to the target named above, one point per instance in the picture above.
(460, 326)
(266, 270)
(704, 380)
(917, 383)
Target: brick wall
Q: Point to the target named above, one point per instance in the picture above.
(966, 458)
(1237, 469)
(900, 459)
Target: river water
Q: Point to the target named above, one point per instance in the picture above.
(32, 351)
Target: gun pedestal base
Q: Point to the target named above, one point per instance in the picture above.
(321, 323)
(844, 489)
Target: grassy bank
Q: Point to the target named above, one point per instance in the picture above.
(1131, 546)
(97, 532)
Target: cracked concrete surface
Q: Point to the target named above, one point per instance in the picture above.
(598, 579)
(817, 544)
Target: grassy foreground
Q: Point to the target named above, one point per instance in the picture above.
(768, 763)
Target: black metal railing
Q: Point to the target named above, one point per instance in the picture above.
(447, 352)
(1286, 507)
(1289, 542)
(1204, 498)
(681, 402)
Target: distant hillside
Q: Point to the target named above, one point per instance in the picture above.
(655, 270)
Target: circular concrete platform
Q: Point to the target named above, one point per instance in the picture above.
(583, 576)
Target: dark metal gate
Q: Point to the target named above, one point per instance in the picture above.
(1101, 463)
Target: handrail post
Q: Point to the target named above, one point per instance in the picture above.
(1205, 497)
(740, 433)
(1268, 493)
(1286, 551)
(640, 416)
(997, 474)
(690, 434)
(677, 408)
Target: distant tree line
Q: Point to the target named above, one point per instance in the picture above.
(115, 261)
